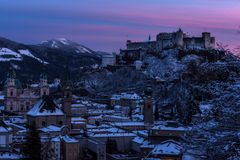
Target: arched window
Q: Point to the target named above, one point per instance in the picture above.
(11, 92)
(43, 123)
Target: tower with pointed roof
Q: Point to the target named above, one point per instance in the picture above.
(44, 88)
(67, 98)
(148, 104)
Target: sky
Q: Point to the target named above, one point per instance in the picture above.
(105, 25)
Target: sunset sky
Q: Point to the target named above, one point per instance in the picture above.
(106, 24)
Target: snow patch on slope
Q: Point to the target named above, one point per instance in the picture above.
(29, 54)
(7, 54)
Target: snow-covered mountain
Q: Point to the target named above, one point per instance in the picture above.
(50, 56)
(7, 54)
(65, 44)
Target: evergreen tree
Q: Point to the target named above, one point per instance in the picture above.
(32, 147)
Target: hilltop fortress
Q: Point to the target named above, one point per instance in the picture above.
(135, 51)
(176, 39)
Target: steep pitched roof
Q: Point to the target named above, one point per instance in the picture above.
(45, 107)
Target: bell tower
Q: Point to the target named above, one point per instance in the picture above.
(11, 87)
(148, 104)
(11, 92)
(44, 88)
(67, 100)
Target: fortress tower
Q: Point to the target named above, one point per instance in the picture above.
(207, 39)
(179, 38)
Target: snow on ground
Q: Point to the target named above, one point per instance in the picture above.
(29, 54)
(63, 41)
(11, 55)
(84, 50)
(166, 68)
(7, 54)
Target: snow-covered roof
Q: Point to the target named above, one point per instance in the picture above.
(138, 140)
(169, 147)
(2, 97)
(126, 95)
(9, 156)
(45, 107)
(65, 138)
(4, 128)
(78, 105)
(69, 139)
(164, 127)
(130, 123)
(115, 135)
(77, 119)
(50, 128)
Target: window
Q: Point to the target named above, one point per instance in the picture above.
(22, 107)
(149, 106)
(11, 108)
(60, 123)
(43, 123)
(11, 92)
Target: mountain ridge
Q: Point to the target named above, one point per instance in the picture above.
(32, 60)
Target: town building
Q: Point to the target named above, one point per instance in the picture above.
(108, 59)
(19, 100)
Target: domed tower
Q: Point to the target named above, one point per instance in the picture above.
(44, 88)
(179, 38)
(148, 104)
(11, 86)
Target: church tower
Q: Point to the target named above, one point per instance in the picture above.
(44, 88)
(11, 87)
(11, 92)
(67, 100)
(148, 105)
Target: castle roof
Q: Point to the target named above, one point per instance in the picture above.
(45, 107)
